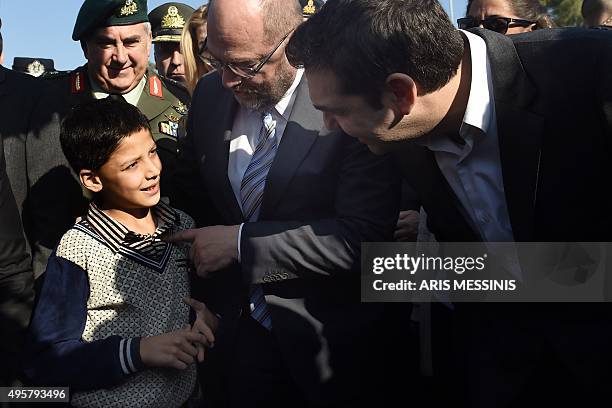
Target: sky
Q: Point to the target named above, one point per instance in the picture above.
(43, 28)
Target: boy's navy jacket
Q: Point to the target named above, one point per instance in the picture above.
(105, 287)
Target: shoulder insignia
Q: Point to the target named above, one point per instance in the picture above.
(77, 81)
(155, 87)
(181, 108)
(172, 118)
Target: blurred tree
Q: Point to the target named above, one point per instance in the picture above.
(566, 13)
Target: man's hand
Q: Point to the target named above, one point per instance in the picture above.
(206, 323)
(212, 248)
(407, 227)
(172, 350)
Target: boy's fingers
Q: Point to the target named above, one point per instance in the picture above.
(202, 328)
(208, 333)
(183, 236)
(194, 337)
(184, 358)
(178, 364)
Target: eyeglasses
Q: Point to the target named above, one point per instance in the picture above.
(497, 24)
(246, 72)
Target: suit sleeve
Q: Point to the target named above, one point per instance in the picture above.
(55, 354)
(366, 210)
(188, 192)
(16, 278)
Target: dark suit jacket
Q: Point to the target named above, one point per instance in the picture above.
(553, 103)
(16, 279)
(325, 193)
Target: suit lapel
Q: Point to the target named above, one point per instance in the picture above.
(217, 161)
(519, 132)
(302, 130)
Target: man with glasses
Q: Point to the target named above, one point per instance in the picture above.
(294, 202)
(505, 138)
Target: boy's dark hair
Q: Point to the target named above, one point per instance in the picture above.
(91, 132)
(364, 41)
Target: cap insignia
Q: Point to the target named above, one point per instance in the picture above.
(129, 8)
(35, 68)
(309, 8)
(173, 19)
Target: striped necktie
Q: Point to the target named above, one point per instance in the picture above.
(251, 196)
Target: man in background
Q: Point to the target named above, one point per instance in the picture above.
(16, 279)
(167, 23)
(597, 13)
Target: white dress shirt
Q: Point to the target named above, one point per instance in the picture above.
(245, 131)
(473, 170)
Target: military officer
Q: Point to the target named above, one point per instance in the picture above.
(115, 36)
(167, 23)
(33, 66)
(16, 279)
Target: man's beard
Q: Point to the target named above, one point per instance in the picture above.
(263, 97)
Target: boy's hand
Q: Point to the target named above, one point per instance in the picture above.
(212, 248)
(171, 350)
(206, 323)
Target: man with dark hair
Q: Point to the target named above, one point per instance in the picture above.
(115, 36)
(16, 278)
(295, 202)
(504, 139)
(597, 13)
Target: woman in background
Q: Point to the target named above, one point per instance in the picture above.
(192, 44)
(506, 16)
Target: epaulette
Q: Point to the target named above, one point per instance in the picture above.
(177, 89)
(54, 74)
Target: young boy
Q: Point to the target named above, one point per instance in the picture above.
(111, 321)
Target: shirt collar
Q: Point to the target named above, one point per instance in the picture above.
(285, 105)
(131, 97)
(117, 235)
(479, 108)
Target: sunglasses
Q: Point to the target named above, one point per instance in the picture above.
(497, 24)
(245, 72)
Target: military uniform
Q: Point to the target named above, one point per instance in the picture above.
(55, 197)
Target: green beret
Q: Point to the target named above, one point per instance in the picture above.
(168, 20)
(105, 13)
